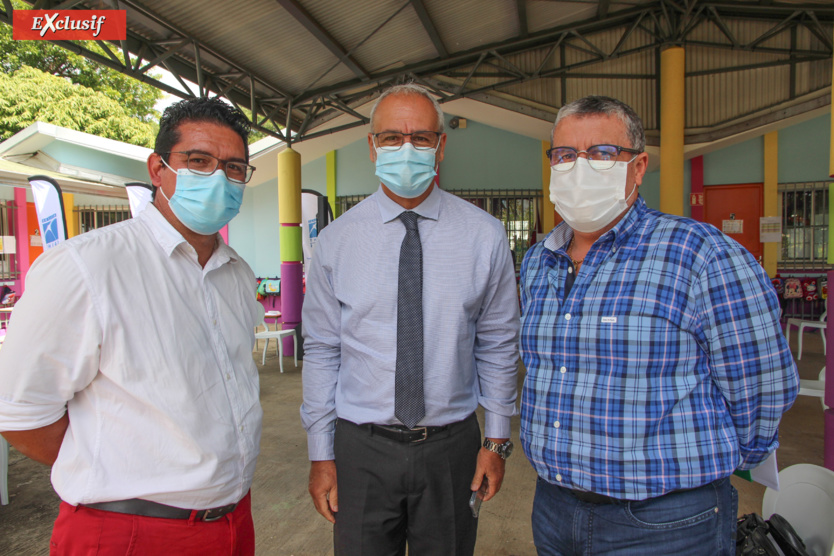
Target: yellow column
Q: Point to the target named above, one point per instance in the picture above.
(289, 216)
(672, 120)
(770, 193)
(69, 214)
(331, 181)
(548, 222)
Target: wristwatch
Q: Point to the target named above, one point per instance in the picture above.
(504, 450)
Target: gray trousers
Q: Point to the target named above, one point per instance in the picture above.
(393, 492)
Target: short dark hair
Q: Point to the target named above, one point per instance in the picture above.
(212, 110)
(595, 105)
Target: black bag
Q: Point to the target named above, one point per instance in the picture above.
(774, 537)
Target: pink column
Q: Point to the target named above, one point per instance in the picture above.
(21, 234)
(696, 173)
(828, 450)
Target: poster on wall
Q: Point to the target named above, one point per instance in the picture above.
(49, 205)
(770, 229)
(139, 194)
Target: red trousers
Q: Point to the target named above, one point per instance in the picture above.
(81, 531)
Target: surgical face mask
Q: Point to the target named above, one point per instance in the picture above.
(204, 204)
(407, 171)
(589, 199)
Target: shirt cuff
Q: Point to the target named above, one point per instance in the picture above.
(320, 446)
(18, 416)
(496, 426)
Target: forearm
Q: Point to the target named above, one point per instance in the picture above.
(41, 444)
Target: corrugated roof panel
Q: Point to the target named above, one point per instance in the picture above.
(639, 94)
(264, 36)
(544, 15)
(465, 24)
(812, 76)
(703, 58)
(543, 91)
(714, 99)
(402, 39)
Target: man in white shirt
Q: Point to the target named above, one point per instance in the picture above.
(128, 362)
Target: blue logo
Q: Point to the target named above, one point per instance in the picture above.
(50, 230)
(312, 225)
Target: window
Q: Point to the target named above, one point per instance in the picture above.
(517, 209)
(804, 210)
(92, 217)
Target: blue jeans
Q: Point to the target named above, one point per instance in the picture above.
(701, 521)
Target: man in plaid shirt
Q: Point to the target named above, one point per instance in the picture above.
(656, 364)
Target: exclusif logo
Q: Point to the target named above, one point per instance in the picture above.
(56, 25)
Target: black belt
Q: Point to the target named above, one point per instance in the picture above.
(593, 497)
(401, 433)
(147, 508)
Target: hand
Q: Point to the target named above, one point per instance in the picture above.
(489, 470)
(322, 488)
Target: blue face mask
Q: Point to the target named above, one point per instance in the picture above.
(204, 204)
(407, 172)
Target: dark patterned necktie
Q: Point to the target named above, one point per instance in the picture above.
(409, 404)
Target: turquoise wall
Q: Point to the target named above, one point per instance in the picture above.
(355, 173)
(314, 175)
(804, 151)
(740, 163)
(96, 160)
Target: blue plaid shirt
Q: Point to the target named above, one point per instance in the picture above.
(663, 368)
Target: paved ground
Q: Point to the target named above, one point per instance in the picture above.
(285, 520)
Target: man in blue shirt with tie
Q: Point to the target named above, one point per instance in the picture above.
(410, 322)
(655, 361)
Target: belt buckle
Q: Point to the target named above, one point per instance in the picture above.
(214, 514)
(425, 434)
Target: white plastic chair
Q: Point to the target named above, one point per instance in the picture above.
(806, 499)
(820, 325)
(814, 388)
(4, 472)
(278, 335)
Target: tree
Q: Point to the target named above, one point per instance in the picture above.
(30, 95)
(137, 98)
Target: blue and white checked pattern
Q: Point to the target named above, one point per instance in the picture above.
(664, 368)
(470, 318)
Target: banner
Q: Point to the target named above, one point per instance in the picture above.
(315, 215)
(139, 194)
(49, 205)
(67, 25)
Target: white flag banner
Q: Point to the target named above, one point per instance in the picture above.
(315, 215)
(49, 205)
(139, 194)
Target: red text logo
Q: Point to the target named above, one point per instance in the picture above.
(110, 25)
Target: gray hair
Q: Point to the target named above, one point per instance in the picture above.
(411, 89)
(599, 105)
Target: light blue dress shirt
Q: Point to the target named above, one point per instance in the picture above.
(470, 318)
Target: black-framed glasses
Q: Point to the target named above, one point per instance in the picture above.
(420, 140)
(600, 157)
(205, 164)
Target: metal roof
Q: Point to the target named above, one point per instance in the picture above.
(299, 64)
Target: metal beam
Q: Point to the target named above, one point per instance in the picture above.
(320, 33)
(428, 25)
(602, 8)
(521, 10)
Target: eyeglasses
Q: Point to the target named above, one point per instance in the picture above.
(204, 164)
(420, 140)
(600, 157)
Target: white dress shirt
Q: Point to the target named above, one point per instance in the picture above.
(470, 318)
(150, 354)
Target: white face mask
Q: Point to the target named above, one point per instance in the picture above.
(589, 199)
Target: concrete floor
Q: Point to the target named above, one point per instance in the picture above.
(286, 522)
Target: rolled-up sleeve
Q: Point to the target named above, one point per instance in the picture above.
(496, 344)
(321, 327)
(52, 346)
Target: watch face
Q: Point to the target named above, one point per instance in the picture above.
(508, 449)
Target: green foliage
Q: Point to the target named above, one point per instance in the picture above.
(137, 98)
(30, 95)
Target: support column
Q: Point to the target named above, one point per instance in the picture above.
(21, 234)
(672, 120)
(828, 435)
(770, 196)
(549, 216)
(69, 214)
(289, 216)
(331, 181)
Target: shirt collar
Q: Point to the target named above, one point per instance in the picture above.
(391, 210)
(562, 234)
(169, 238)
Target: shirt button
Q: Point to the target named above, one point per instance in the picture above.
(228, 376)
(567, 316)
(214, 322)
(563, 370)
(559, 477)
(614, 250)
(556, 424)
(570, 270)
(241, 428)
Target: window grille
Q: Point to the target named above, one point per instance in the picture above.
(92, 217)
(517, 209)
